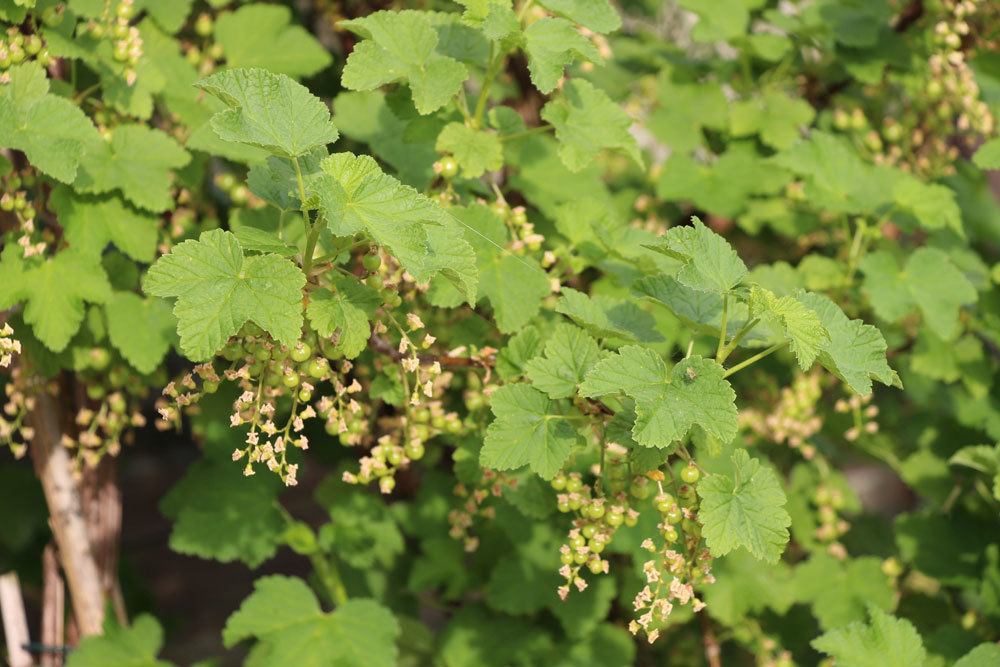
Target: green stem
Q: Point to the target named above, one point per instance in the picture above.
(723, 330)
(312, 230)
(85, 93)
(329, 576)
(326, 569)
(496, 59)
(731, 346)
(852, 259)
(755, 358)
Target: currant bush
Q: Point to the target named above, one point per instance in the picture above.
(540, 332)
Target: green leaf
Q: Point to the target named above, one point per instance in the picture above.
(744, 586)
(218, 290)
(286, 619)
(636, 371)
(500, 21)
(476, 151)
(983, 655)
(855, 352)
(134, 646)
(744, 511)
(933, 205)
(596, 15)
(50, 130)
(528, 429)
(169, 14)
(91, 223)
(718, 20)
(356, 196)
(254, 239)
(722, 187)
(551, 45)
(988, 155)
(684, 110)
(776, 116)
(886, 642)
(345, 308)
(54, 292)
(514, 284)
(361, 531)
(793, 320)
(525, 345)
(137, 161)
(220, 514)
(587, 121)
(569, 354)
(836, 177)
(269, 111)
(668, 405)
(605, 317)
(260, 35)
(839, 591)
(369, 117)
(402, 46)
(699, 310)
(141, 329)
(929, 282)
(709, 263)
(274, 180)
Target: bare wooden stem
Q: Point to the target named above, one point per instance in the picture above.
(55, 470)
(15, 622)
(53, 607)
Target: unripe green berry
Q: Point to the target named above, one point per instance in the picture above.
(300, 352)
(414, 450)
(690, 474)
(203, 25)
(318, 368)
(448, 166)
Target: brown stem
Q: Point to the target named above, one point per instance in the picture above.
(102, 505)
(910, 15)
(712, 652)
(53, 607)
(55, 470)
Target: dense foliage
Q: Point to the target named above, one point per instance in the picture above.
(639, 333)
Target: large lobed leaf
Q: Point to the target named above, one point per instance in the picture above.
(269, 111)
(744, 511)
(355, 195)
(286, 619)
(218, 290)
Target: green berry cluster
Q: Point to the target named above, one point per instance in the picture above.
(19, 401)
(862, 416)
(943, 111)
(115, 393)
(17, 48)
(126, 43)
(204, 58)
(597, 519)
(794, 419)
(16, 188)
(829, 502)
(680, 564)
(238, 193)
(490, 484)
